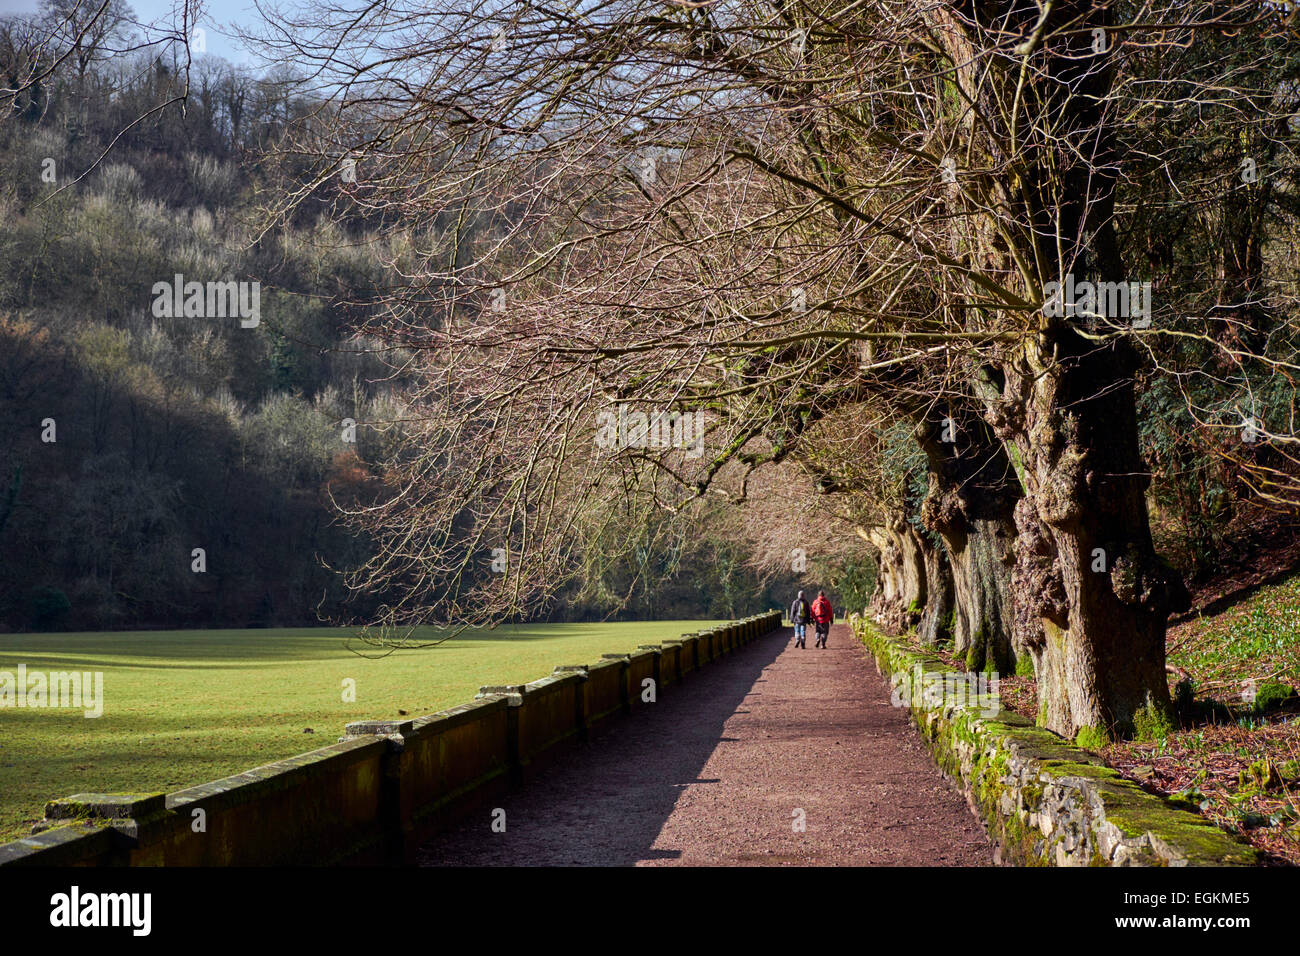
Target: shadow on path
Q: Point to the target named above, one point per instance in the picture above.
(728, 766)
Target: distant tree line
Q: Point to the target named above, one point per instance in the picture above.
(132, 439)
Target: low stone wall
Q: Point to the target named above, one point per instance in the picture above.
(1043, 801)
(382, 790)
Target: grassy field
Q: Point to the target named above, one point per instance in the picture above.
(184, 707)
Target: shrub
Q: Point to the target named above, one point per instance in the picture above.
(1151, 724)
(120, 180)
(1024, 665)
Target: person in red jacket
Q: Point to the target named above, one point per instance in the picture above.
(822, 614)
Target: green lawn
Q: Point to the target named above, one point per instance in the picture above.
(184, 707)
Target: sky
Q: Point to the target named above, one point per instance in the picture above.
(216, 19)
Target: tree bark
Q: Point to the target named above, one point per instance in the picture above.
(970, 504)
(937, 620)
(1092, 597)
(901, 585)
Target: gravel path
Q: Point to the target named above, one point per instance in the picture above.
(719, 770)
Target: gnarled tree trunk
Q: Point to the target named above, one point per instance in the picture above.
(982, 559)
(970, 503)
(1091, 594)
(1091, 597)
(938, 617)
(901, 581)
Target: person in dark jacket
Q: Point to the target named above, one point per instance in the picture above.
(823, 615)
(800, 614)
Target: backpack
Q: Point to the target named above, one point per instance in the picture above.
(805, 612)
(822, 611)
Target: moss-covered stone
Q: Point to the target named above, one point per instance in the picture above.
(1261, 775)
(1045, 802)
(1270, 695)
(1092, 738)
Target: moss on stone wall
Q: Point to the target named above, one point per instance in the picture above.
(1044, 801)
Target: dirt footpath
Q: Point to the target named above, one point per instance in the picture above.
(772, 756)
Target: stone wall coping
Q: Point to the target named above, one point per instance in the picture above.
(1043, 800)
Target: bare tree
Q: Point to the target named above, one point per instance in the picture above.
(803, 222)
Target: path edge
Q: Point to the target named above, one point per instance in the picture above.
(386, 786)
(1043, 801)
